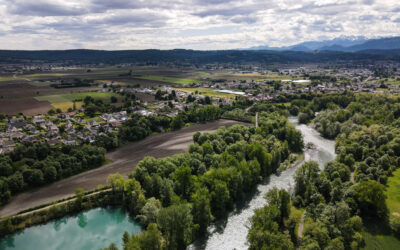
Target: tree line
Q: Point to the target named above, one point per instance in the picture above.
(178, 197)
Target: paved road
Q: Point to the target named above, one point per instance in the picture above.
(124, 160)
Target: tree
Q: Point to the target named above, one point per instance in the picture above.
(280, 199)
(79, 195)
(151, 239)
(113, 99)
(148, 214)
(176, 223)
(264, 231)
(183, 181)
(305, 177)
(201, 209)
(177, 122)
(117, 182)
(371, 199)
(51, 112)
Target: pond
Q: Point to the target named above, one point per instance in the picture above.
(92, 229)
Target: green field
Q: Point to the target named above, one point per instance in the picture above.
(208, 92)
(393, 193)
(65, 101)
(378, 235)
(167, 79)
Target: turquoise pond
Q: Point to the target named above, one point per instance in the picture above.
(92, 229)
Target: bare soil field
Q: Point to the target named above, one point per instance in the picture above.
(124, 162)
(28, 106)
(18, 97)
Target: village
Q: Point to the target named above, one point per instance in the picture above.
(75, 127)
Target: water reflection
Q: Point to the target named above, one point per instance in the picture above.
(93, 229)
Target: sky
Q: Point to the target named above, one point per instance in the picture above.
(189, 24)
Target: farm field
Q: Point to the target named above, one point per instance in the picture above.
(167, 79)
(204, 91)
(28, 106)
(65, 101)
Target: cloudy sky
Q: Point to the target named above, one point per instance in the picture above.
(190, 24)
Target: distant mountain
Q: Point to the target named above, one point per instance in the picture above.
(383, 43)
(349, 44)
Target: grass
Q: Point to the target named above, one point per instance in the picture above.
(64, 106)
(377, 235)
(392, 81)
(65, 101)
(203, 91)
(7, 78)
(393, 193)
(39, 84)
(167, 79)
(296, 214)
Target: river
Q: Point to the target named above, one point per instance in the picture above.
(231, 232)
(93, 229)
(97, 228)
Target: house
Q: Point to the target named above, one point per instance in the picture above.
(93, 123)
(16, 125)
(53, 128)
(52, 142)
(69, 141)
(16, 135)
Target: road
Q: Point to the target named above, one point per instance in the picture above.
(124, 160)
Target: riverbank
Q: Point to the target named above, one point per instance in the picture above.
(231, 232)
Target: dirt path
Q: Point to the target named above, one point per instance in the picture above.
(124, 160)
(352, 175)
(60, 203)
(300, 230)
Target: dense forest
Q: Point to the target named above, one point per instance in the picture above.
(30, 166)
(349, 191)
(178, 197)
(181, 56)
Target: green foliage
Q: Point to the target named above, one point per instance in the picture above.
(31, 166)
(176, 224)
(371, 198)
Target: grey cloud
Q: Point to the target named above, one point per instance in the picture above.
(227, 11)
(142, 19)
(42, 8)
(244, 19)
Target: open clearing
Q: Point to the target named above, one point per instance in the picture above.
(166, 79)
(378, 235)
(124, 162)
(209, 92)
(65, 101)
(393, 193)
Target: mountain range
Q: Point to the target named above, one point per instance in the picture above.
(346, 44)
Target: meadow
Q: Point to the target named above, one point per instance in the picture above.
(204, 91)
(65, 101)
(167, 79)
(377, 235)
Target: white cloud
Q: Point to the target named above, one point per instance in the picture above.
(195, 24)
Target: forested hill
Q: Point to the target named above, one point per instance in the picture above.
(192, 56)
